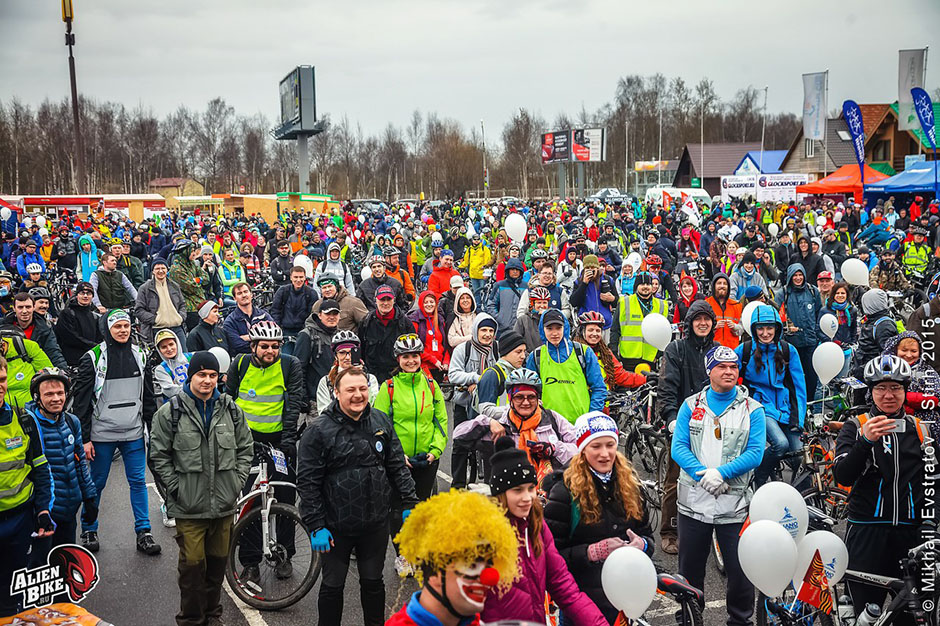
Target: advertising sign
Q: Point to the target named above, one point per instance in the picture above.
(651, 166)
(290, 97)
(779, 187)
(555, 147)
(588, 144)
(736, 187)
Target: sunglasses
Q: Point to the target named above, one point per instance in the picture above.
(269, 346)
(717, 428)
(526, 398)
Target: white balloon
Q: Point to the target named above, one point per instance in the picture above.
(837, 217)
(767, 554)
(223, 357)
(366, 273)
(821, 220)
(43, 232)
(657, 331)
(779, 502)
(27, 222)
(855, 272)
(828, 359)
(362, 219)
(5, 213)
(471, 231)
(491, 219)
(629, 581)
(302, 260)
(747, 314)
(357, 233)
(829, 325)
(437, 237)
(515, 227)
(773, 229)
(473, 213)
(401, 212)
(589, 222)
(832, 551)
(41, 220)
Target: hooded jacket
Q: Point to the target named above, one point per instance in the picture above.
(925, 383)
(338, 269)
(505, 296)
(439, 280)
(77, 331)
(682, 305)
(314, 351)
(878, 327)
(351, 310)
(170, 374)
(684, 366)
(477, 257)
(812, 263)
(771, 388)
(469, 361)
(741, 280)
(461, 325)
(430, 330)
(729, 335)
(587, 297)
(417, 409)
(561, 353)
(801, 306)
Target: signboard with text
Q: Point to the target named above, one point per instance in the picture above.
(588, 145)
(555, 146)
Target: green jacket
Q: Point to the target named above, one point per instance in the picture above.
(131, 267)
(20, 370)
(419, 414)
(192, 279)
(203, 471)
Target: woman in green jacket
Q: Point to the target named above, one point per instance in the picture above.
(415, 404)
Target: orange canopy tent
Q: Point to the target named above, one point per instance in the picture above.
(846, 179)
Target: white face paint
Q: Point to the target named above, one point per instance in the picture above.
(468, 584)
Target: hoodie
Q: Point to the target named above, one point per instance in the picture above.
(876, 329)
(683, 371)
(469, 360)
(506, 295)
(338, 269)
(461, 328)
(925, 383)
(170, 374)
(430, 330)
(313, 350)
(801, 307)
(765, 384)
(682, 304)
(87, 261)
(568, 387)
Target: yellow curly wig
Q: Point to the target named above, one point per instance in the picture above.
(460, 526)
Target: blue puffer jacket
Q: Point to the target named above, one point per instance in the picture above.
(802, 305)
(766, 385)
(505, 297)
(71, 477)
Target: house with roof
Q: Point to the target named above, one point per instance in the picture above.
(760, 162)
(709, 162)
(170, 188)
(885, 145)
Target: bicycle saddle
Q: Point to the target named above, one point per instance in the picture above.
(676, 584)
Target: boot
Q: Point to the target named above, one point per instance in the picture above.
(215, 576)
(192, 583)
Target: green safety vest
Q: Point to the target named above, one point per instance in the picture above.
(632, 345)
(564, 385)
(916, 257)
(261, 396)
(15, 485)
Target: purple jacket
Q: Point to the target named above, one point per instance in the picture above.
(538, 574)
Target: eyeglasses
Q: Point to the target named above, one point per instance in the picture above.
(344, 352)
(717, 428)
(526, 398)
(886, 389)
(269, 346)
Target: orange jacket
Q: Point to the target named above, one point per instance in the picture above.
(732, 314)
(405, 279)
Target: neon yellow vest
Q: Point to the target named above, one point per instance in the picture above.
(564, 385)
(916, 257)
(15, 485)
(261, 396)
(632, 345)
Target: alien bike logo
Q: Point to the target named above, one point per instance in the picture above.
(70, 569)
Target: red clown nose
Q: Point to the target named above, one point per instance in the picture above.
(489, 577)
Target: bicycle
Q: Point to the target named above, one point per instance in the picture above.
(691, 600)
(279, 540)
(642, 434)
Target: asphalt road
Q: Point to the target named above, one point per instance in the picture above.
(135, 589)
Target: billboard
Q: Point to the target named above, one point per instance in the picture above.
(290, 97)
(764, 188)
(297, 94)
(555, 146)
(588, 145)
(652, 166)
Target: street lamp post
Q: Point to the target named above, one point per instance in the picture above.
(67, 16)
(486, 174)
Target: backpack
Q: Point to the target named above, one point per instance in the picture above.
(19, 345)
(391, 403)
(578, 350)
(746, 348)
(176, 413)
(898, 323)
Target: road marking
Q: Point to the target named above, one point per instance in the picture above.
(252, 615)
(443, 476)
(669, 606)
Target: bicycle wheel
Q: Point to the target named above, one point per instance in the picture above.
(690, 614)
(651, 446)
(835, 503)
(719, 558)
(289, 543)
(787, 611)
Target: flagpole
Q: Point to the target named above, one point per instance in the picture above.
(659, 175)
(763, 126)
(826, 130)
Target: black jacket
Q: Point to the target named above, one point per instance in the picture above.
(368, 287)
(280, 268)
(291, 307)
(887, 481)
(378, 341)
(45, 336)
(77, 331)
(812, 263)
(684, 364)
(294, 403)
(347, 471)
(573, 544)
(873, 334)
(315, 352)
(835, 250)
(203, 337)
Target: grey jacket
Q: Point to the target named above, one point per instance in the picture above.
(466, 364)
(148, 301)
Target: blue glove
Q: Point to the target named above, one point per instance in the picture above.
(405, 514)
(321, 541)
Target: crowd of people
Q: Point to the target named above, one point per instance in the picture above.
(345, 330)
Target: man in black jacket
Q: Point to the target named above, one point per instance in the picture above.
(379, 331)
(314, 350)
(36, 328)
(292, 305)
(350, 462)
(281, 264)
(65, 249)
(77, 329)
(683, 375)
(369, 287)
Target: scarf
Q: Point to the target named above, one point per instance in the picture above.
(526, 430)
(646, 304)
(843, 314)
(385, 318)
(484, 351)
(167, 315)
(605, 477)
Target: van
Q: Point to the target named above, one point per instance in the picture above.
(654, 195)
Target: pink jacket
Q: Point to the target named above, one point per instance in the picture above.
(538, 574)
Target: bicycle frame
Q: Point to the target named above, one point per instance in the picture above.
(263, 488)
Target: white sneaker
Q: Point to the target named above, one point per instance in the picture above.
(168, 521)
(403, 568)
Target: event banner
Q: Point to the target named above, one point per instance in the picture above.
(853, 117)
(555, 146)
(910, 75)
(588, 144)
(924, 108)
(815, 105)
(763, 188)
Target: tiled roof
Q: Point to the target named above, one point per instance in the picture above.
(720, 158)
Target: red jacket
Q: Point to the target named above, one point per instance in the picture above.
(403, 619)
(439, 281)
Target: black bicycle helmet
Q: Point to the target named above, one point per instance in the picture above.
(887, 368)
(40, 293)
(49, 373)
(408, 344)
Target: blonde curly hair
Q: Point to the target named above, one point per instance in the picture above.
(580, 483)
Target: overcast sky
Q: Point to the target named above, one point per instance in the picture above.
(378, 60)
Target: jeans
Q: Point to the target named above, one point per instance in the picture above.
(134, 456)
(64, 533)
(16, 525)
(806, 360)
(695, 542)
(780, 440)
(478, 285)
(370, 559)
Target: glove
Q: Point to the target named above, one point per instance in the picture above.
(405, 514)
(290, 451)
(671, 427)
(598, 552)
(419, 460)
(321, 541)
(89, 511)
(541, 450)
(711, 480)
(44, 522)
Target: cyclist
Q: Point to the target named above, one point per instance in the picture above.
(35, 327)
(415, 404)
(368, 289)
(77, 328)
(208, 333)
(627, 332)
(292, 305)
(801, 305)
(595, 291)
(242, 318)
(505, 296)
(334, 266)
(527, 324)
(169, 375)
(350, 461)
(112, 288)
(590, 332)
(477, 258)
(351, 310)
(923, 395)
(877, 328)
(881, 455)
(916, 252)
(888, 274)
(269, 388)
(595, 507)
(728, 328)
(464, 545)
(346, 352)
(398, 272)
(202, 482)
(191, 279)
(160, 303)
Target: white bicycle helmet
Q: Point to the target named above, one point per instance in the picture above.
(523, 376)
(887, 368)
(33, 268)
(265, 331)
(344, 337)
(408, 344)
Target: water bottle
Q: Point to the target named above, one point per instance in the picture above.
(869, 616)
(846, 611)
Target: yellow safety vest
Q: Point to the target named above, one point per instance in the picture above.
(261, 396)
(15, 485)
(632, 345)
(916, 257)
